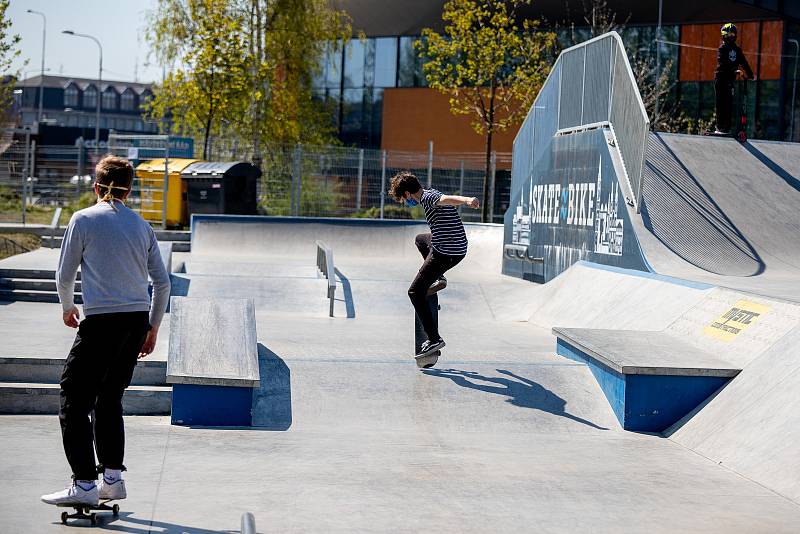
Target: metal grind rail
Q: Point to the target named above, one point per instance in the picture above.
(325, 266)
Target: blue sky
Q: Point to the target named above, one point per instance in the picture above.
(118, 24)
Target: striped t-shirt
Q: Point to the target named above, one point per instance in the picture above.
(447, 230)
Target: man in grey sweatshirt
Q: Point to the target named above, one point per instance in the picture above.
(116, 251)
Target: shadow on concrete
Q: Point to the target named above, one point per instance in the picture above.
(681, 214)
(126, 522)
(521, 391)
(785, 175)
(348, 294)
(272, 400)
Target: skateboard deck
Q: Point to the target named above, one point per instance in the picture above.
(420, 336)
(86, 511)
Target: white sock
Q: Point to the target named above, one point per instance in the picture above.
(112, 475)
(85, 485)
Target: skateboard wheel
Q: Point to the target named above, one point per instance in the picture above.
(64, 516)
(115, 510)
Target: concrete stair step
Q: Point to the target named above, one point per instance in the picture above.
(17, 295)
(31, 274)
(34, 398)
(33, 284)
(48, 371)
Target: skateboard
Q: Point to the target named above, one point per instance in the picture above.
(86, 511)
(430, 360)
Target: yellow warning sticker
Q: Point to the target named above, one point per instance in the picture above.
(729, 325)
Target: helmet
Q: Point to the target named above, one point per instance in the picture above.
(729, 30)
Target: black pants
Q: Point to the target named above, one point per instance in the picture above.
(97, 371)
(724, 93)
(434, 266)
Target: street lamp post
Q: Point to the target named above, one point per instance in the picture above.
(794, 86)
(99, 91)
(41, 78)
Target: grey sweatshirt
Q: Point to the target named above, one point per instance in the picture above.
(115, 249)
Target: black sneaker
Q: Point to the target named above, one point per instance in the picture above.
(429, 347)
(438, 285)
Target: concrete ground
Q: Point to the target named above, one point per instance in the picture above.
(502, 436)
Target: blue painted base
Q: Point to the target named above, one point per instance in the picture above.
(211, 405)
(646, 403)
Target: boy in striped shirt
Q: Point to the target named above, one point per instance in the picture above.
(442, 249)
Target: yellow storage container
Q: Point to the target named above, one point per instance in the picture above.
(150, 175)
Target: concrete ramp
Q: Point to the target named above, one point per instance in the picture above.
(723, 212)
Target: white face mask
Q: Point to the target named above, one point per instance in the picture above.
(108, 197)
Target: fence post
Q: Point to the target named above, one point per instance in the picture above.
(25, 173)
(430, 163)
(296, 170)
(80, 167)
(383, 181)
(165, 187)
(461, 184)
(492, 174)
(360, 178)
(32, 172)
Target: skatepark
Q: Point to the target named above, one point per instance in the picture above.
(598, 389)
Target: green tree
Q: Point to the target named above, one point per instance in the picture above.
(490, 62)
(8, 53)
(245, 68)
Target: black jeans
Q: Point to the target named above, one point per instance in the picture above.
(434, 266)
(724, 93)
(97, 371)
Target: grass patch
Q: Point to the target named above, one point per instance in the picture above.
(25, 241)
(11, 208)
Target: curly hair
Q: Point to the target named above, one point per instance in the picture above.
(401, 182)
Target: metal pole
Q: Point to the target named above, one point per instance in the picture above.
(430, 164)
(658, 64)
(99, 83)
(80, 167)
(461, 183)
(383, 181)
(25, 173)
(32, 172)
(360, 178)
(296, 182)
(165, 188)
(794, 87)
(41, 78)
(492, 174)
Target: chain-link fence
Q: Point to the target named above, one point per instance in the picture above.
(305, 181)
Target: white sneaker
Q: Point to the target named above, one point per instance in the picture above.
(73, 494)
(112, 490)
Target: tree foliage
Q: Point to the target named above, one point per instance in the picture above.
(490, 62)
(8, 53)
(244, 68)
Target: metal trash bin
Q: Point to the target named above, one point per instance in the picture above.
(151, 187)
(221, 187)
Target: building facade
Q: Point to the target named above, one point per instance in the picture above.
(70, 105)
(377, 86)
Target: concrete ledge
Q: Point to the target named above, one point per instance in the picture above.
(644, 394)
(633, 352)
(44, 399)
(48, 371)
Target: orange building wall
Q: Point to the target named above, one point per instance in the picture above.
(413, 116)
(698, 64)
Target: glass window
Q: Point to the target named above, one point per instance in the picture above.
(127, 100)
(109, 99)
(385, 62)
(71, 97)
(90, 97)
(333, 68)
(354, 54)
(145, 98)
(410, 73)
(353, 109)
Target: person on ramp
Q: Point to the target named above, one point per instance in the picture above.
(442, 249)
(729, 58)
(116, 250)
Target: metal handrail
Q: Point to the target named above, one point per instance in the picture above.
(248, 523)
(326, 267)
(54, 226)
